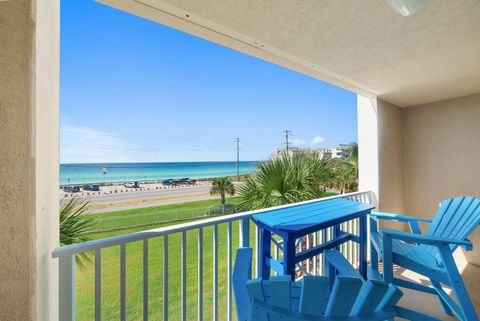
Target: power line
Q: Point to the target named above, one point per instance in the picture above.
(98, 135)
(134, 149)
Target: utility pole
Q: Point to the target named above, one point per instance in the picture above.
(238, 159)
(287, 132)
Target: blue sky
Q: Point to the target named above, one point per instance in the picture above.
(135, 91)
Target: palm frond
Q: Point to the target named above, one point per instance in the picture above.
(74, 224)
(283, 180)
(352, 151)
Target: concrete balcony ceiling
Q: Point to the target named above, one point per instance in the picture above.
(363, 46)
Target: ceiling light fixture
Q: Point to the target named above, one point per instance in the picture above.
(406, 7)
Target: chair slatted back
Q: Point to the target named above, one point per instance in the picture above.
(456, 219)
(314, 296)
(369, 299)
(350, 298)
(342, 298)
(242, 271)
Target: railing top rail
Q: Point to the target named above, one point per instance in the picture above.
(132, 237)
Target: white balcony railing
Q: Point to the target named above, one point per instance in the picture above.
(67, 266)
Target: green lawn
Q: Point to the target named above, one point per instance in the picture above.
(111, 274)
(175, 206)
(163, 214)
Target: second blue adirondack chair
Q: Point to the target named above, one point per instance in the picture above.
(350, 299)
(430, 254)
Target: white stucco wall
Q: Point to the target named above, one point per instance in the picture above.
(380, 152)
(29, 78)
(368, 143)
(442, 156)
(380, 143)
(46, 125)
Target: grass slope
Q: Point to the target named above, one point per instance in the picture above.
(162, 214)
(168, 207)
(85, 278)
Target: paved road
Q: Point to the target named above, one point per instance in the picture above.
(148, 194)
(153, 197)
(129, 207)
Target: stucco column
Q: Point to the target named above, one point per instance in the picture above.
(29, 94)
(380, 140)
(367, 119)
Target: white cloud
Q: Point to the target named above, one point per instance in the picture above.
(89, 145)
(317, 140)
(298, 141)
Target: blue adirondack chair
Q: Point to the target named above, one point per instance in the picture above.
(430, 254)
(350, 299)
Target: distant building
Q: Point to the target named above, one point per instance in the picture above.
(335, 151)
(329, 152)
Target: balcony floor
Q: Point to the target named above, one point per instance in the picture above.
(430, 304)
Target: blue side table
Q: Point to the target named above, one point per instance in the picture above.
(297, 221)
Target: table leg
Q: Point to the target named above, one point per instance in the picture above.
(363, 246)
(266, 249)
(332, 272)
(373, 251)
(336, 234)
(289, 257)
(324, 261)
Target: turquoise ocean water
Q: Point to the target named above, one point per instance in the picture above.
(120, 172)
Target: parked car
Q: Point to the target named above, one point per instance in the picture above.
(91, 187)
(183, 181)
(187, 181)
(132, 185)
(168, 182)
(71, 189)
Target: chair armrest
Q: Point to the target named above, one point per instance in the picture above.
(411, 220)
(424, 239)
(398, 217)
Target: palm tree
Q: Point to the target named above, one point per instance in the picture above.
(352, 156)
(344, 175)
(322, 171)
(285, 179)
(222, 186)
(74, 224)
(352, 151)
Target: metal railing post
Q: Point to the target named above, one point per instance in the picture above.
(245, 232)
(66, 275)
